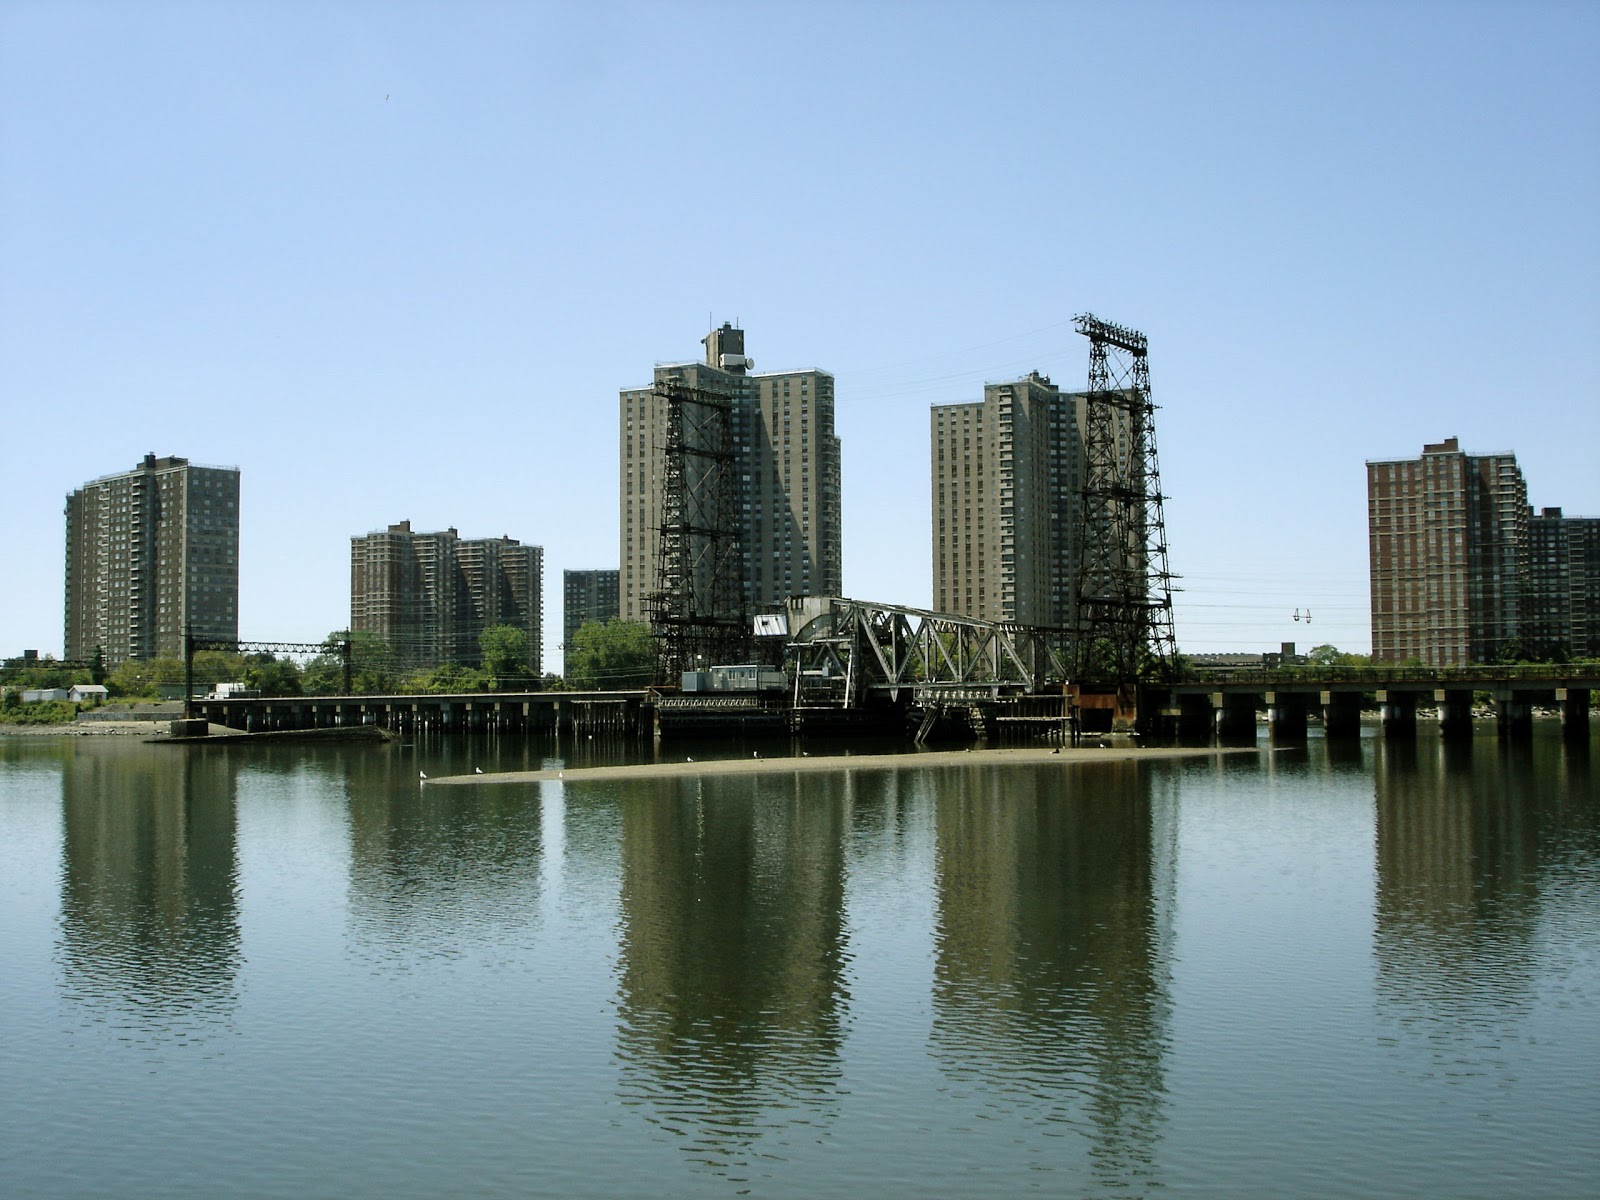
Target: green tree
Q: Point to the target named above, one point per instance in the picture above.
(1331, 656)
(273, 676)
(614, 655)
(141, 676)
(372, 666)
(1323, 656)
(447, 678)
(505, 655)
(31, 673)
(212, 667)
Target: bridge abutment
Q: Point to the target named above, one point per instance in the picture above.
(1513, 713)
(1234, 714)
(1574, 704)
(1397, 711)
(1341, 714)
(1287, 714)
(1455, 712)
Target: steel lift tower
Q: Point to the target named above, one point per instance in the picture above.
(697, 610)
(1124, 586)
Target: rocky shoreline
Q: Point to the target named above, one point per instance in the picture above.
(142, 729)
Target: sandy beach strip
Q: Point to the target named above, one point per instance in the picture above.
(1004, 756)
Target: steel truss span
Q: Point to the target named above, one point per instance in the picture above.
(845, 649)
(1124, 586)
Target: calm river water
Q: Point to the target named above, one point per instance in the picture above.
(294, 972)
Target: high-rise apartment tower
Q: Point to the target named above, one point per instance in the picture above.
(783, 461)
(586, 596)
(1448, 546)
(430, 596)
(1561, 599)
(1006, 474)
(151, 552)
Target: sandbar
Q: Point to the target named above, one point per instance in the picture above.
(914, 760)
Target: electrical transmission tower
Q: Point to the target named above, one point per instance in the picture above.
(1124, 586)
(697, 610)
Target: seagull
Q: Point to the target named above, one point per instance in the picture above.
(479, 770)
(691, 758)
(755, 754)
(422, 774)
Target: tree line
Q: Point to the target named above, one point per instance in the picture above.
(613, 655)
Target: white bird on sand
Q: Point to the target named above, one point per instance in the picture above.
(479, 770)
(691, 758)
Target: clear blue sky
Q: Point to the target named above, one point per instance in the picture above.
(395, 260)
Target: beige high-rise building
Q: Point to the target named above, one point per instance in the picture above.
(151, 552)
(1448, 543)
(1005, 475)
(784, 458)
(430, 596)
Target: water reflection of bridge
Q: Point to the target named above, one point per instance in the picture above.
(741, 948)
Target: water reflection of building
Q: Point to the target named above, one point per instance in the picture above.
(438, 868)
(1051, 968)
(150, 912)
(1468, 865)
(732, 951)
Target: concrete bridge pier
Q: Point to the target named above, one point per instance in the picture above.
(1341, 714)
(1513, 714)
(1286, 716)
(1455, 711)
(1235, 715)
(1574, 704)
(1194, 716)
(1398, 713)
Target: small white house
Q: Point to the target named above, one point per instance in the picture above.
(92, 692)
(35, 695)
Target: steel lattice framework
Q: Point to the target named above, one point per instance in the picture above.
(1124, 585)
(341, 646)
(697, 610)
(885, 648)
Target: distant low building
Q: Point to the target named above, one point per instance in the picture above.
(88, 693)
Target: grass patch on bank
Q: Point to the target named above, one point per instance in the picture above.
(39, 712)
